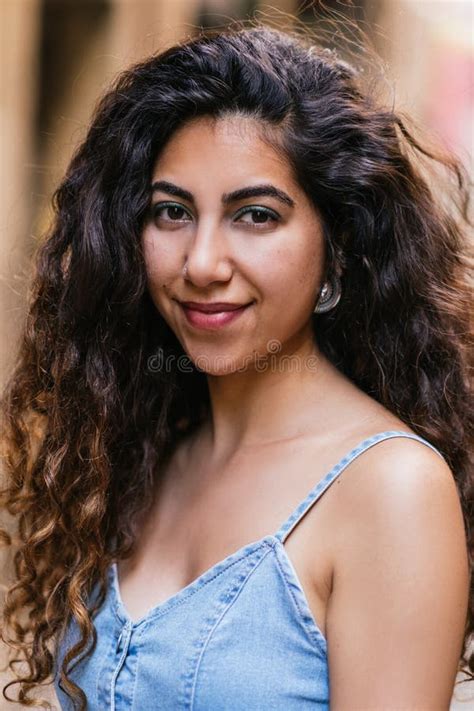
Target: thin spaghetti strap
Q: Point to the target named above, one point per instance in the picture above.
(328, 479)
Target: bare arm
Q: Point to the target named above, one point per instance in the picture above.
(398, 608)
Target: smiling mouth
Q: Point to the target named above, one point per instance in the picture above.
(212, 320)
(212, 307)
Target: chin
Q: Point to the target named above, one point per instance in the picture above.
(218, 364)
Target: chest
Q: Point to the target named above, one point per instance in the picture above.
(197, 524)
(234, 639)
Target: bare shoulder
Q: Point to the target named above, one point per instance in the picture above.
(400, 580)
(399, 476)
(399, 491)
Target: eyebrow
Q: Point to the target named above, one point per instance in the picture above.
(243, 193)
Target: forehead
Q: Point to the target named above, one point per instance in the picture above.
(230, 145)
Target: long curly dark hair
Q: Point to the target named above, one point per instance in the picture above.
(87, 421)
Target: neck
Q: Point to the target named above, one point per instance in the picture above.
(286, 396)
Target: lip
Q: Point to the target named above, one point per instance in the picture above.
(212, 306)
(213, 320)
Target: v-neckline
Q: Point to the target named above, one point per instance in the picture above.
(271, 541)
(183, 593)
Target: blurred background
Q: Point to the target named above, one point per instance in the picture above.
(58, 56)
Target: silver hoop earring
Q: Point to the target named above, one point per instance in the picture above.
(329, 295)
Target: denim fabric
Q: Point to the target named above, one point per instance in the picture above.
(240, 637)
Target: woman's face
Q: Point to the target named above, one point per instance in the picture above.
(263, 250)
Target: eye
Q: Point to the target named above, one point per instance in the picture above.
(175, 212)
(259, 216)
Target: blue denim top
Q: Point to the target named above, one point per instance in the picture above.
(240, 637)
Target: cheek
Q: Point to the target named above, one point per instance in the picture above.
(294, 269)
(161, 265)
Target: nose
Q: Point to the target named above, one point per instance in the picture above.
(207, 260)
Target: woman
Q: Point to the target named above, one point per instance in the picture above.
(249, 294)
